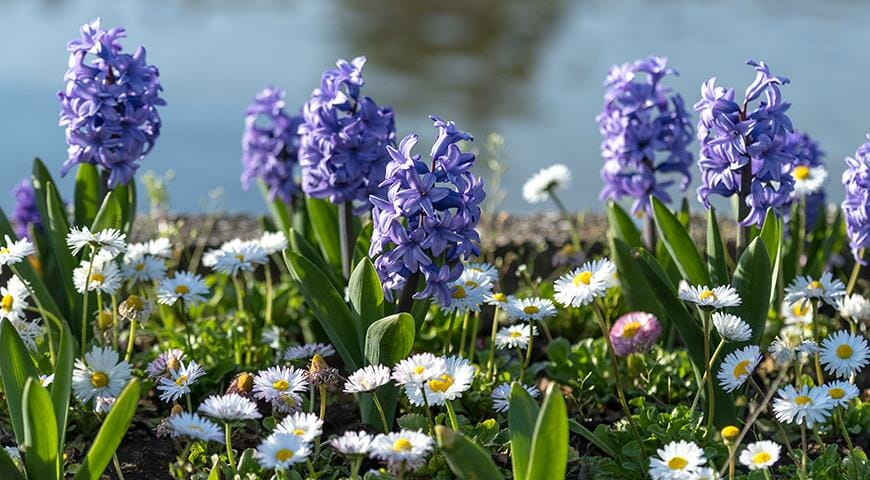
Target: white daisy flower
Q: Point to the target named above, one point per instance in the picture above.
(304, 425)
(14, 251)
(46, 380)
(530, 309)
(229, 408)
(158, 248)
(236, 256)
(514, 336)
(537, 188)
(280, 451)
(808, 180)
(352, 443)
(723, 296)
(404, 449)
(486, 269)
(737, 367)
(706, 473)
(840, 392)
(304, 352)
(810, 405)
(449, 384)
(854, 307)
(417, 369)
(179, 381)
(13, 299)
(798, 313)
(731, 327)
(30, 331)
(760, 455)
(844, 354)
(272, 242)
(188, 287)
(193, 426)
(585, 284)
(271, 336)
(367, 379)
(501, 396)
(145, 269)
(165, 361)
(677, 461)
(101, 374)
(499, 299)
(826, 289)
(102, 405)
(111, 240)
(790, 342)
(105, 276)
(281, 386)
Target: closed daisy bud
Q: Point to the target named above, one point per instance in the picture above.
(729, 433)
(176, 409)
(105, 320)
(136, 308)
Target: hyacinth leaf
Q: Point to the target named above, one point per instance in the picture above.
(467, 459)
(41, 444)
(8, 470)
(300, 245)
(87, 194)
(279, 210)
(679, 244)
(826, 240)
(16, 366)
(716, 264)
(366, 294)
(591, 437)
(752, 282)
(522, 415)
(363, 242)
(771, 234)
(324, 219)
(636, 291)
(62, 384)
(548, 457)
(388, 341)
(111, 433)
(338, 321)
(622, 226)
(685, 213)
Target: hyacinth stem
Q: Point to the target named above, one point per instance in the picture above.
(85, 302)
(490, 363)
(575, 238)
(380, 409)
(650, 236)
(406, 298)
(345, 227)
(131, 341)
(228, 434)
(707, 371)
(856, 270)
(707, 374)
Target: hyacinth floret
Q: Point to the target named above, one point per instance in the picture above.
(425, 220)
(646, 131)
(109, 104)
(26, 214)
(856, 205)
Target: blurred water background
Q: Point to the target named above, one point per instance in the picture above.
(529, 70)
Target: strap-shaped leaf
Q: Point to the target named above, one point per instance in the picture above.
(549, 454)
(467, 459)
(716, 263)
(771, 234)
(622, 226)
(86, 197)
(62, 385)
(363, 242)
(522, 416)
(366, 293)
(679, 244)
(16, 367)
(636, 290)
(752, 281)
(277, 208)
(111, 433)
(324, 219)
(8, 470)
(388, 341)
(41, 444)
(300, 245)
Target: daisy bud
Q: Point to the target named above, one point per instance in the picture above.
(173, 363)
(105, 320)
(176, 409)
(729, 433)
(244, 382)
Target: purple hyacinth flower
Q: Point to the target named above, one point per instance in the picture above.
(25, 215)
(109, 104)
(634, 332)
(856, 205)
(425, 217)
(646, 131)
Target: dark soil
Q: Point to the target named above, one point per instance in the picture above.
(143, 456)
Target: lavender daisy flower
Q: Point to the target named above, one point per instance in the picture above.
(750, 138)
(856, 205)
(634, 332)
(343, 138)
(25, 215)
(424, 222)
(109, 104)
(646, 131)
(270, 144)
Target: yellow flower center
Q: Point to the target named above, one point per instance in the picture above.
(499, 297)
(761, 457)
(140, 266)
(7, 302)
(814, 285)
(836, 393)
(419, 369)
(677, 463)
(458, 292)
(707, 295)
(299, 432)
(730, 432)
(800, 309)
(281, 385)
(181, 380)
(173, 363)
(99, 379)
(531, 309)
(801, 172)
(240, 257)
(136, 302)
(630, 329)
(803, 400)
(245, 382)
(5, 251)
(441, 384)
(584, 277)
(844, 352)
(741, 368)
(471, 284)
(97, 277)
(182, 290)
(283, 455)
(402, 445)
(515, 334)
(196, 428)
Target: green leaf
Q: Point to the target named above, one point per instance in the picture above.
(771, 234)
(300, 245)
(279, 210)
(548, 459)
(62, 385)
(324, 219)
(388, 341)
(591, 437)
(366, 294)
(467, 459)
(622, 226)
(111, 433)
(248, 462)
(752, 282)
(327, 304)
(87, 194)
(363, 242)
(8, 470)
(716, 264)
(16, 367)
(679, 244)
(110, 213)
(522, 416)
(636, 290)
(41, 445)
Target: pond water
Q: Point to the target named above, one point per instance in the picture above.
(529, 70)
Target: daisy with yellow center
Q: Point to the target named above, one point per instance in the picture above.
(583, 285)
(281, 386)
(807, 405)
(676, 460)
(306, 426)
(100, 374)
(841, 392)
(805, 289)
(179, 381)
(402, 451)
(760, 455)
(736, 368)
(530, 309)
(189, 288)
(724, 296)
(808, 180)
(280, 451)
(844, 354)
